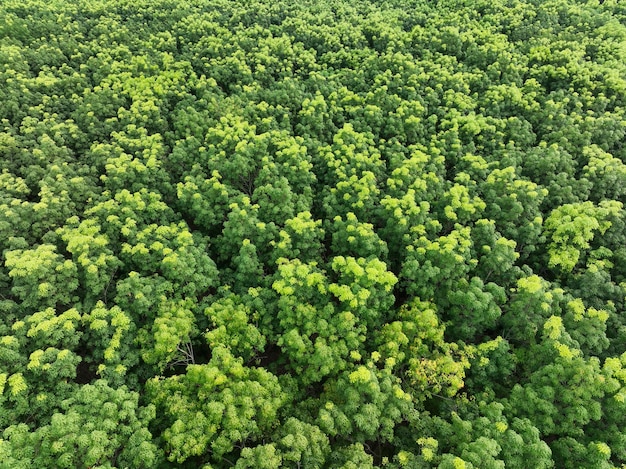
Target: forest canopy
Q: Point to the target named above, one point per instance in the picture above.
(313, 234)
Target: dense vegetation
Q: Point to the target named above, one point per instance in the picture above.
(312, 234)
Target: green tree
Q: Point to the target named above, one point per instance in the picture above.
(215, 406)
(98, 426)
(41, 277)
(572, 227)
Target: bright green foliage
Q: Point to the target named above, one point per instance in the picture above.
(458, 205)
(133, 160)
(594, 455)
(45, 381)
(411, 186)
(168, 340)
(172, 251)
(587, 326)
(365, 403)
(41, 277)
(205, 199)
(139, 295)
(472, 307)
(248, 269)
(356, 238)
(363, 287)
(48, 345)
(480, 435)
(557, 364)
(98, 426)
(50, 327)
(91, 253)
(351, 457)
(262, 457)
(214, 406)
(490, 368)
(334, 234)
(232, 328)
(496, 254)
(110, 333)
(302, 444)
(531, 303)
(573, 226)
(553, 167)
(15, 214)
(243, 223)
(353, 165)
(63, 191)
(610, 429)
(301, 238)
(432, 267)
(606, 173)
(513, 203)
(414, 344)
(315, 336)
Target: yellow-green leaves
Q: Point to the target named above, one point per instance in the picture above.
(606, 173)
(356, 238)
(110, 332)
(92, 254)
(233, 327)
(51, 327)
(416, 344)
(572, 227)
(95, 425)
(324, 234)
(442, 261)
(214, 406)
(301, 238)
(168, 341)
(316, 335)
(17, 384)
(41, 277)
(364, 289)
